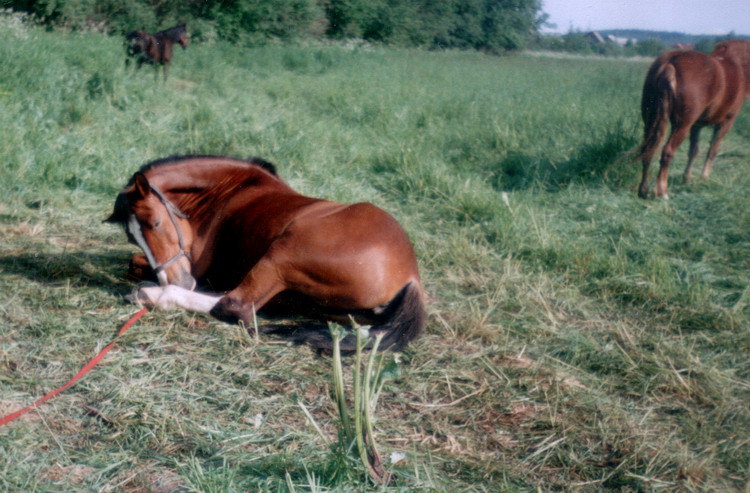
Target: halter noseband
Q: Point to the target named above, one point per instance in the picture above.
(173, 212)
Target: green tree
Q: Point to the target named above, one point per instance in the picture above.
(650, 47)
(491, 25)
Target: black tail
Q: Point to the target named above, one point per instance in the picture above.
(402, 321)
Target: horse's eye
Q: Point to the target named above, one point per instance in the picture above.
(155, 224)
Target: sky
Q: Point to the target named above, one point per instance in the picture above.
(687, 16)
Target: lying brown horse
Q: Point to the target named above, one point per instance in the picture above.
(691, 90)
(154, 48)
(235, 228)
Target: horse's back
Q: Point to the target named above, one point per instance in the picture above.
(357, 223)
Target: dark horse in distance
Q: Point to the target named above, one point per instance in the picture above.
(691, 90)
(250, 242)
(156, 48)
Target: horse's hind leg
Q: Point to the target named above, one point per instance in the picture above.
(655, 127)
(694, 145)
(720, 131)
(643, 188)
(667, 154)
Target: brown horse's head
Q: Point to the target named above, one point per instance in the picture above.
(153, 223)
(182, 37)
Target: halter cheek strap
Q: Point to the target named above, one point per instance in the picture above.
(173, 212)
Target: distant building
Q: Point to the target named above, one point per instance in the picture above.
(680, 46)
(620, 41)
(594, 38)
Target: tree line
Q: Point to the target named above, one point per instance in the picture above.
(489, 25)
(649, 44)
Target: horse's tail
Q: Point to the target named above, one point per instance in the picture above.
(658, 98)
(401, 321)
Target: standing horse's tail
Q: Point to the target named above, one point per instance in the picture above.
(656, 103)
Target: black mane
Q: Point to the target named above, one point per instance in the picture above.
(266, 165)
(120, 210)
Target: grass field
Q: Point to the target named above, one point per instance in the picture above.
(579, 338)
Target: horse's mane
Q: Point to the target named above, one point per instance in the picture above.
(252, 160)
(121, 207)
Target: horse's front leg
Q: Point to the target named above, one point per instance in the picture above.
(257, 288)
(171, 296)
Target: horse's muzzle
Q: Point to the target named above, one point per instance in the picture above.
(183, 278)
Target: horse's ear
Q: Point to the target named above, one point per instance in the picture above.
(141, 186)
(113, 218)
(120, 213)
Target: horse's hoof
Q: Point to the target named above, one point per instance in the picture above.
(226, 310)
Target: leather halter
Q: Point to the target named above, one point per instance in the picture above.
(173, 212)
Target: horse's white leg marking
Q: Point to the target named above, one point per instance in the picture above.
(172, 296)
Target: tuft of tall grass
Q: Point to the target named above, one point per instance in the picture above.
(356, 424)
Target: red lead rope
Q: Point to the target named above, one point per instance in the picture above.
(84, 370)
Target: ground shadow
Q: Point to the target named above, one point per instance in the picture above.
(288, 316)
(604, 162)
(101, 270)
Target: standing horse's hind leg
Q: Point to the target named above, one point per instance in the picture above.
(643, 188)
(694, 147)
(720, 131)
(647, 155)
(666, 157)
(655, 126)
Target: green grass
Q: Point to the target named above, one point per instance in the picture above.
(578, 338)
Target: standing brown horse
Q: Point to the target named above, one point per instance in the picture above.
(235, 227)
(691, 90)
(154, 48)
